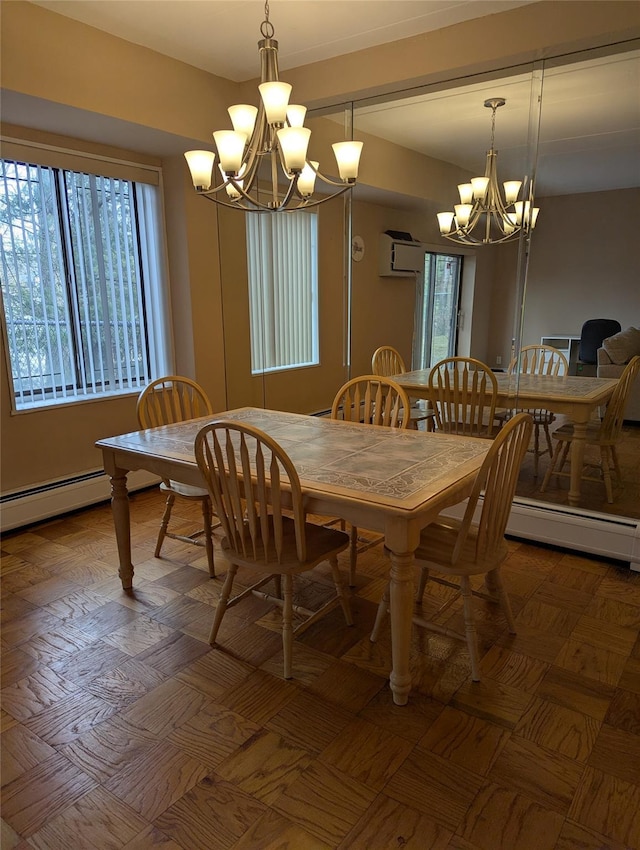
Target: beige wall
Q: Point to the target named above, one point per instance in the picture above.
(87, 84)
(584, 263)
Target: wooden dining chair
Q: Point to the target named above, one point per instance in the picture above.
(459, 549)
(166, 401)
(537, 360)
(387, 361)
(604, 435)
(255, 490)
(374, 400)
(463, 393)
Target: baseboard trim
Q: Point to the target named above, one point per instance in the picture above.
(54, 498)
(590, 532)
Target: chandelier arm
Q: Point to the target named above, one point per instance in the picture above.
(329, 181)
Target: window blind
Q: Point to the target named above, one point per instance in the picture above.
(282, 251)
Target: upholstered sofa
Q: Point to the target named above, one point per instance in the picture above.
(616, 351)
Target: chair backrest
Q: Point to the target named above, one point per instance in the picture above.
(463, 393)
(614, 414)
(372, 399)
(387, 361)
(244, 470)
(593, 332)
(540, 360)
(497, 477)
(171, 399)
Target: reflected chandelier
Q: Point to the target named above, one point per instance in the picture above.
(272, 133)
(482, 217)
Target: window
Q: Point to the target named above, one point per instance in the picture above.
(81, 272)
(437, 301)
(282, 251)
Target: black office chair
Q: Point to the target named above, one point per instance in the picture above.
(593, 332)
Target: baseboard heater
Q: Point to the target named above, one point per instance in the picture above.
(594, 533)
(54, 498)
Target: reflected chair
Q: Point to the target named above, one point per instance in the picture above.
(537, 360)
(604, 435)
(255, 490)
(460, 549)
(387, 361)
(463, 393)
(164, 402)
(374, 400)
(593, 332)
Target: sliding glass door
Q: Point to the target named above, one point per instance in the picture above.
(437, 310)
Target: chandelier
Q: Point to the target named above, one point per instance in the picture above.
(263, 160)
(482, 217)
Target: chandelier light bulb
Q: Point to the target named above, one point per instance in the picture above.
(348, 158)
(275, 96)
(294, 142)
(466, 192)
(479, 186)
(307, 179)
(511, 190)
(243, 117)
(463, 211)
(296, 115)
(230, 149)
(200, 165)
(445, 221)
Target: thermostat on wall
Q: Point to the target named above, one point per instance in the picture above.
(357, 248)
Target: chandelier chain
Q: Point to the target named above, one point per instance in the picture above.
(266, 27)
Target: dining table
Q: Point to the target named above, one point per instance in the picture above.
(576, 397)
(388, 480)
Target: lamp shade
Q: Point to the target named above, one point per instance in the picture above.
(511, 189)
(275, 96)
(294, 142)
(243, 118)
(348, 158)
(200, 165)
(463, 211)
(445, 220)
(307, 179)
(466, 192)
(296, 115)
(230, 149)
(479, 186)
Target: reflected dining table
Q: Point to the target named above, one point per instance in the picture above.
(574, 396)
(387, 480)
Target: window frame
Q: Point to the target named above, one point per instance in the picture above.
(150, 290)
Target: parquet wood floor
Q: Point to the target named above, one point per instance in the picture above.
(122, 728)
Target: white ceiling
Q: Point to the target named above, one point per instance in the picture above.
(590, 121)
(221, 36)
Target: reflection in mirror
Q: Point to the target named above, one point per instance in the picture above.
(284, 294)
(584, 263)
(580, 262)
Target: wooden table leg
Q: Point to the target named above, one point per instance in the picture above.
(577, 460)
(122, 521)
(401, 608)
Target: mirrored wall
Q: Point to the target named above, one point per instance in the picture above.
(570, 131)
(570, 128)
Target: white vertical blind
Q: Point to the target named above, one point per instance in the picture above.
(282, 251)
(82, 283)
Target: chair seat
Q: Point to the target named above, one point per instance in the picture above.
(437, 542)
(186, 490)
(593, 435)
(539, 416)
(321, 542)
